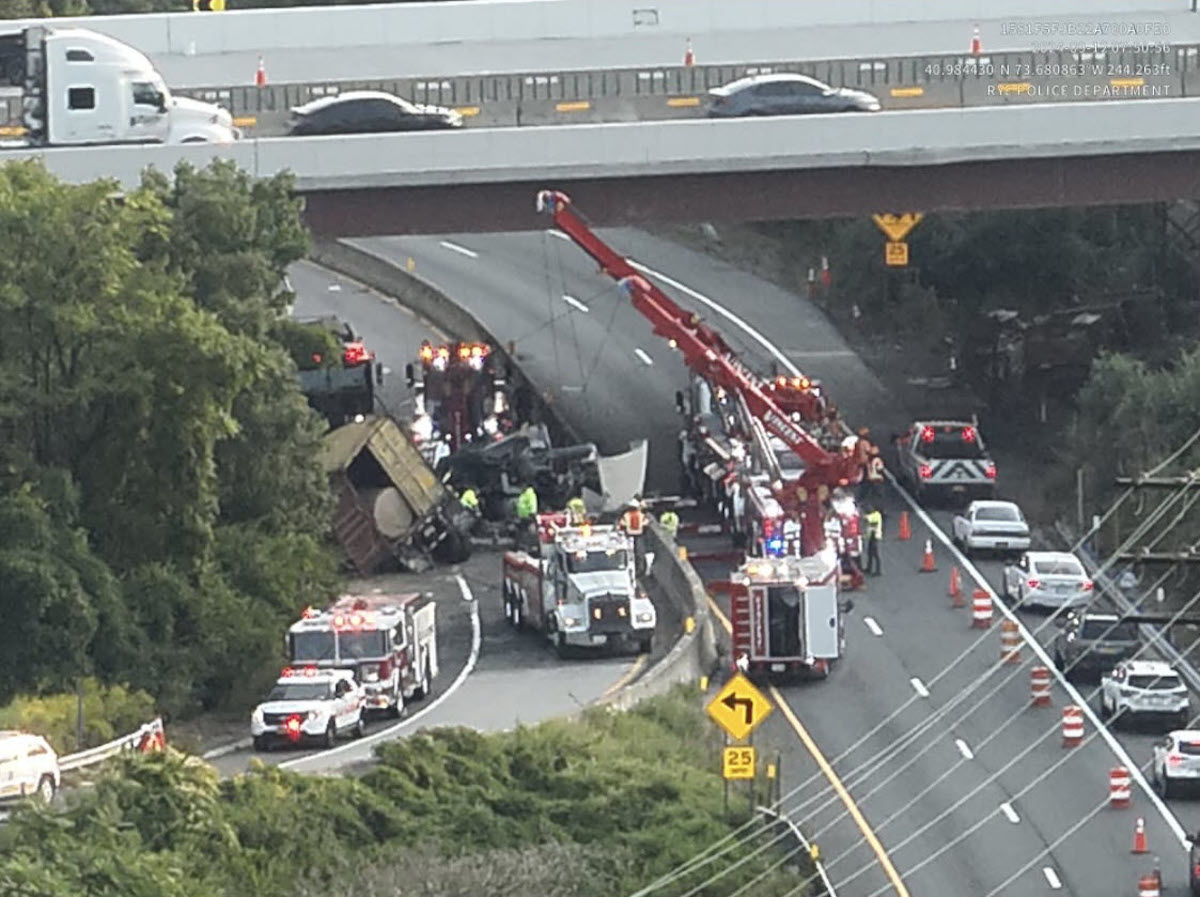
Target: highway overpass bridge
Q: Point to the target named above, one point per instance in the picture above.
(751, 170)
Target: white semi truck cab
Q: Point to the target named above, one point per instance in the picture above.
(81, 87)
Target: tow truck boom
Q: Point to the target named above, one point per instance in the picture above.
(707, 353)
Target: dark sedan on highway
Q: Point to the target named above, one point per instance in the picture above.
(368, 112)
(785, 94)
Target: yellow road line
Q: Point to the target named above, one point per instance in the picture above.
(868, 834)
(246, 121)
(1127, 82)
(633, 670)
(578, 106)
(467, 111)
(908, 91)
(11, 130)
(683, 101)
(1014, 87)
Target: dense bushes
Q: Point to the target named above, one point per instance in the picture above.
(587, 809)
(162, 510)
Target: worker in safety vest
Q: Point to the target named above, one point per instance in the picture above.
(527, 504)
(469, 499)
(576, 512)
(872, 491)
(670, 522)
(874, 537)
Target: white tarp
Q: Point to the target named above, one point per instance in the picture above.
(621, 478)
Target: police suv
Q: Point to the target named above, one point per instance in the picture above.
(309, 704)
(947, 458)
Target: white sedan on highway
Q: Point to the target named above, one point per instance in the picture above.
(1176, 761)
(1049, 579)
(991, 526)
(1144, 688)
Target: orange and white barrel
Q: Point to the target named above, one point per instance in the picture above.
(981, 609)
(1118, 788)
(1148, 886)
(1040, 686)
(1010, 642)
(1072, 726)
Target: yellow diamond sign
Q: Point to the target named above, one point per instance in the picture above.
(739, 707)
(896, 227)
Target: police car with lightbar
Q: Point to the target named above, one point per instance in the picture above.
(309, 705)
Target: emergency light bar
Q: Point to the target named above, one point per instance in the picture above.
(354, 621)
(289, 673)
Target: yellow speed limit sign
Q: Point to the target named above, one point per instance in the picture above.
(738, 763)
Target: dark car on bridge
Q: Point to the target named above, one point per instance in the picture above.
(785, 94)
(368, 112)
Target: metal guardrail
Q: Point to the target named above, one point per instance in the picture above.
(780, 819)
(131, 742)
(1157, 638)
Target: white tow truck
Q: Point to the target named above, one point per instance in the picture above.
(389, 643)
(309, 705)
(582, 589)
(80, 87)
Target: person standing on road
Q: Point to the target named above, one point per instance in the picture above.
(670, 522)
(874, 537)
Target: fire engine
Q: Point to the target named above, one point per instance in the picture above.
(581, 590)
(460, 393)
(388, 641)
(786, 615)
(804, 499)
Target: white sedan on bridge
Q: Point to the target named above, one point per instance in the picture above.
(991, 526)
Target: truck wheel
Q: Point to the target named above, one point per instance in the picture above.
(330, 738)
(646, 645)
(45, 789)
(454, 549)
(360, 727)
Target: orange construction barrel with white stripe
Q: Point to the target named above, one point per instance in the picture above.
(1040, 686)
(1010, 642)
(1148, 886)
(1118, 787)
(1072, 728)
(981, 609)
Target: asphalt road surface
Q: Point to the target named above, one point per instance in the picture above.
(964, 787)
(491, 678)
(760, 41)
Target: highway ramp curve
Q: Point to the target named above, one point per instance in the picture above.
(492, 678)
(958, 785)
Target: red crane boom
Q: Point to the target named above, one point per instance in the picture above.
(707, 353)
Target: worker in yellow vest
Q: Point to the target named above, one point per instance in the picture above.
(874, 537)
(670, 522)
(576, 512)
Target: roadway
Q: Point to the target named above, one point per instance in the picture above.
(550, 96)
(653, 48)
(985, 800)
(491, 678)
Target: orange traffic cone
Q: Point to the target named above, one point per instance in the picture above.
(976, 42)
(1139, 837)
(260, 76)
(927, 565)
(956, 592)
(905, 529)
(689, 58)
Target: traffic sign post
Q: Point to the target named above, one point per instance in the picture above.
(739, 708)
(895, 254)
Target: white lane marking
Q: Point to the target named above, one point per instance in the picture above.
(461, 250)
(335, 288)
(873, 626)
(1052, 877)
(645, 359)
(919, 687)
(575, 303)
(964, 749)
(392, 731)
(1115, 746)
(557, 233)
(1010, 813)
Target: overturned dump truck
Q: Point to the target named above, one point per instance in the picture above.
(390, 506)
(499, 471)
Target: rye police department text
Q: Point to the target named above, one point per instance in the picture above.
(1079, 90)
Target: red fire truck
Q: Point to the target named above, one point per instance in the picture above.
(388, 641)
